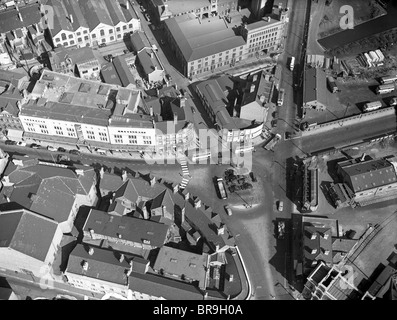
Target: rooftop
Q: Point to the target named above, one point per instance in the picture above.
(198, 39)
(128, 228)
(315, 86)
(9, 19)
(27, 233)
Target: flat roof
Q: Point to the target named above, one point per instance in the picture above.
(315, 86)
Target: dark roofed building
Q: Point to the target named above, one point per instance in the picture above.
(315, 89)
(55, 192)
(371, 180)
(27, 240)
(150, 286)
(125, 230)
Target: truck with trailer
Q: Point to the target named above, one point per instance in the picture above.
(385, 88)
(221, 188)
(372, 106)
(332, 84)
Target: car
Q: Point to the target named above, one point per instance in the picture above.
(142, 8)
(393, 101)
(60, 149)
(274, 123)
(228, 210)
(101, 45)
(10, 142)
(253, 178)
(281, 229)
(75, 152)
(193, 110)
(280, 206)
(21, 144)
(51, 148)
(35, 146)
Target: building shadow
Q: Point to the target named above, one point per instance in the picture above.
(332, 169)
(325, 187)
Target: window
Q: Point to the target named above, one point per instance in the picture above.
(119, 36)
(86, 38)
(57, 40)
(111, 38)
(63, 36)
(130, 25)
(79, 39)
(124, 27)
(102, 33)
(72, 42)
(118, 29)
(110, 31)
(93, 36)
(78, 33)
(85, 31)
(70, 36)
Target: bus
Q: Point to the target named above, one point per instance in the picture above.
(221, 187)
(292, 63)
(280, 99)
(372, 106)
(385, 88)
(388, 79)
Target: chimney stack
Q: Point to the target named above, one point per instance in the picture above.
(176, 188)
(182, 103)
(20, 16)
(362, 157)
(91, 251)
(151, 111)
(145, 213)
(124, 175)
(127, 4)
(187, 196)
(183, 218)
(153, 181)
(121, 258)
(164, 210)
(175, 118)
(71, 18)
(92, 233)
(101, 172)
(197, 203)
(85, 265)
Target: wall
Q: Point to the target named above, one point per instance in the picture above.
(322, 127)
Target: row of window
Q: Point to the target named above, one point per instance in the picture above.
(264, 32)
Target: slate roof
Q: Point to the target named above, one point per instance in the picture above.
(163, 199)
(139, 41)
(180, 262)
(9, 19)
(158, 286)
(320, 244)
(131, 229)
(369, 174)
(27, 232)
(110, 75)
(102, 264)
(315, 86)
(148, 63)
(95, 12)
(123, 71)
(48, 190)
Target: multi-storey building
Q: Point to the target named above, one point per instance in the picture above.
(76, 62)
(28, 242)
(369, 180)
(165, 9)
(198, 53)
(92, 22)
(55, 192)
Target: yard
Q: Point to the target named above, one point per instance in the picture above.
(363, 11)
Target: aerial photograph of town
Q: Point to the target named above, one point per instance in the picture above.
(209, 150)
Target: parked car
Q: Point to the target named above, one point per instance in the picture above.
(51, 148)
(142, 8)
(75, 152)
(35, 146)
(280, 206)
(21, 144)
(10, 142)
(60, 149)
(228, 210)
(101, 45)
(253, 178)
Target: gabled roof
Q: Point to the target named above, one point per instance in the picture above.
(158, 286)
(47, 189)
(369, 174)
(163, 199)
(73, 9)
(130, 229)
(317, 244)
(315, 86)
(149, 61)
(102, 264)
(115, 12)
(139, 41)
(9, 19)
(27, 233)
(61, 17)
(95, 12)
